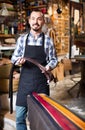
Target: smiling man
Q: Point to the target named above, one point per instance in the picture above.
(38, 46)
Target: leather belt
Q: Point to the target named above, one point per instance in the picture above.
(48, 75)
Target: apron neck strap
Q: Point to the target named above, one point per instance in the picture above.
(43, 39)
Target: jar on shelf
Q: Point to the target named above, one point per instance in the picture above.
(12, 30)
(6, 30)
(2, 28)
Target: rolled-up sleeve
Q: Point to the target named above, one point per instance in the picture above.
(51, 54)
(19, 50)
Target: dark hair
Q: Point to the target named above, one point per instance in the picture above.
(36, 10)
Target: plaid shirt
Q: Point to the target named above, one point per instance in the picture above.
(49, 49)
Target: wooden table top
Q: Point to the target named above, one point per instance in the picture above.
(7, 48)
(80, 57)
(4, 61)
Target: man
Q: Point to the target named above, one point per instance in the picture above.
(39, 47)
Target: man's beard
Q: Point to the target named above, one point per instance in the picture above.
(36, 29)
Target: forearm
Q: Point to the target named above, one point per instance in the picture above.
(52, 64)
(16, 56)
(52, 60)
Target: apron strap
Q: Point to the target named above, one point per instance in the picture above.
(43, 39)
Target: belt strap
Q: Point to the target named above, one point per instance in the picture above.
(48, 75)
(11, 88)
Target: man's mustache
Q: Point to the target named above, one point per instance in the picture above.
(36, 24)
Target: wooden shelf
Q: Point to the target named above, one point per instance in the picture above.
(10, 9)
(6, 1)
(61, 53)
(35, 7)
(6, 35)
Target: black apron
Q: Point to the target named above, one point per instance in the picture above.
(31, 78)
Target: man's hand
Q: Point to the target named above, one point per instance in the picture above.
(48, 68)
(21, 61)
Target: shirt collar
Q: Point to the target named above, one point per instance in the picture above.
(30, 34)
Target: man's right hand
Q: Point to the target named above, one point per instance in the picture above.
(21, 61)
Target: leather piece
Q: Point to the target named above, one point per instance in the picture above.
(48, 74)
(39, 119)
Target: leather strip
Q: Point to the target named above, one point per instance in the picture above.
(60, 119)
(66, 112)
(48, 74)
